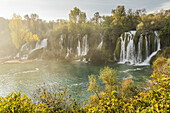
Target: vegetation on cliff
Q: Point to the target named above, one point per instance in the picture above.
(64, 35)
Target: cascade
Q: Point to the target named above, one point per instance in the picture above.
(29, 50)
(101, 43)
(157, 39)
(128, 53)
(68, 52)
(79, 48)
(24, 49)
(42, 44)
(17, 56)
(84, 46)
(130, 50)
(122, 52)
(24, 46)
(146, 48)
(61, 45)
(69, 46)
(139, 57)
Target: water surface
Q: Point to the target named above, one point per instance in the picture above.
(27, 77)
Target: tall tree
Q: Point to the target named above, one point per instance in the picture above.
(20, 33)
(76, 16)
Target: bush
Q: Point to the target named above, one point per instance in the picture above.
(16, 103)
(53, 98)
(157, 99)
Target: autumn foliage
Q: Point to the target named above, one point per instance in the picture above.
(20, 33)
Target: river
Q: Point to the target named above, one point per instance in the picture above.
(27, 77)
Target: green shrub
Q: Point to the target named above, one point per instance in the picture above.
(16, 103)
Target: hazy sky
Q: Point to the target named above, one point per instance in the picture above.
(55, 9)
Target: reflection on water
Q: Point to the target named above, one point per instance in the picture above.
(26, 77)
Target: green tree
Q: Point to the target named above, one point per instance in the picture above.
(76, 16)
(108, 76)
(20, 33)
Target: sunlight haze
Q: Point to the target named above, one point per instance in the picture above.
(59, 9)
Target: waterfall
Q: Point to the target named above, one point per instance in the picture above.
(68, 52)
(157, 39)
(128, 53)
(79, 48)
(101, 43)
(146, 48)
(139, 57)
(84, 46)
(61, 45)
(122, 52)
(40, 45)
(24, 46)
(130, 50)
(17, 56)
(26, 49)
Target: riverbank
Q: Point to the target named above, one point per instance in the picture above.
(16, 61)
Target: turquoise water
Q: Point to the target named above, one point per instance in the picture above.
(26, 78)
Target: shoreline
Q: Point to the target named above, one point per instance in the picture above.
(17, 61)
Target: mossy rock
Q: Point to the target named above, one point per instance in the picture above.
(118, 49)
(165, 52)
(100, 57)
(126, 41)
(152, 38)
(143, 47)
(36, 54)
(136, 39)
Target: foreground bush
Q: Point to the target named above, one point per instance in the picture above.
(156, 99)
(16, 103)
(126, 98)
